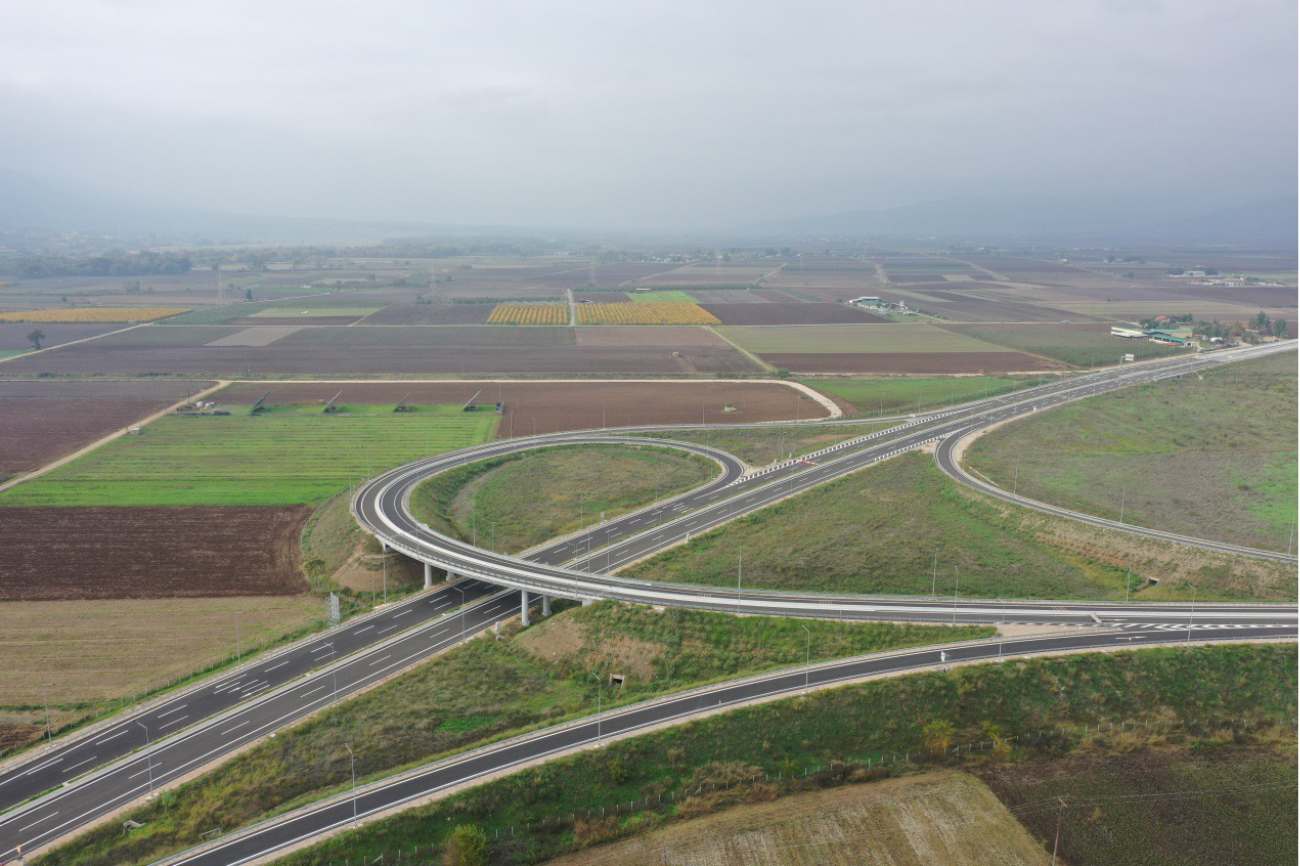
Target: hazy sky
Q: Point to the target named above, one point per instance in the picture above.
(647, 114)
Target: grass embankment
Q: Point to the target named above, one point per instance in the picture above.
(337, 556)
(1205, 802)
(281, 458)
(1241, 694)
(761, 447)
(1211, 456)
(903, 394)
(484, 690)
(516, 502)
(877, 531)
(943, 817)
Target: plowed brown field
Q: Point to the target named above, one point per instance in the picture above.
(40, 421)
(83, 553)
(910, 362)
(570, 405)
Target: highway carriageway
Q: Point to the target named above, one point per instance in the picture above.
(626, 542)
(382, 506)
(401, 630)
(216, 728)
(265, 839)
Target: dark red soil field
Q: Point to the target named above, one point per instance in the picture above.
(568, 405)
(13, 335)
(295, 320)
(100, 553)
(963, 308)
(40, 421)
(603, 297)
(795, 313)
(432, 314)
(911, 362)
(909, 277)
(346, 360)
(617, 274)
(670, 338)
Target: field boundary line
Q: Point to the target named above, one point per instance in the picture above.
(74, 342)
(116, 434)
(742, 350)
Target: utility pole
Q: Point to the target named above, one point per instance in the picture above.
(1123, 494)
(934, 575)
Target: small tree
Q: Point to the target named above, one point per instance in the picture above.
(248, 294)
(34, 337)
(939, 735)
(466, 846)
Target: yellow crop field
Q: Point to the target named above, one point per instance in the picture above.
(529, 314)
(645, 314)
(95, 314)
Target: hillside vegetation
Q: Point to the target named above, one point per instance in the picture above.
(903, 527)
(519, 501)
(1210, 455)
(486, 689)
(1242, 695)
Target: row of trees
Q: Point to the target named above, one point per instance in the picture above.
(1261, 325)
(115, 264)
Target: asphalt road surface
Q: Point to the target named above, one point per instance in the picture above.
(213, 719)
(342, 811)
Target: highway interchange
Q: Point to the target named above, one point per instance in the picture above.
(108, 768)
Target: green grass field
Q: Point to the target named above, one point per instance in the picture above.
(1211, 456)
(668, 297)
(1251, 689)
(285, 457)
(878, 531)
(852, 338)
(484, 690)
(1080, 348)
(514, 503)
(901, 394)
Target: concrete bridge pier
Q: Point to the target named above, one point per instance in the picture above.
(546, 605)
(428, 576)
(524, 612)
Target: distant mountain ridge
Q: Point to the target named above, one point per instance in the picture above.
(1266, 222)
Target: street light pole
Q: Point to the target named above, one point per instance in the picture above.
(598, 694)
(49, 729)
(334, 671)
(1192, 616)
(934, 575)
(148, 756)
(807, 662)
(462, 610)
(355, 821)
(740, 570)
(956, 589)
(239, 645)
